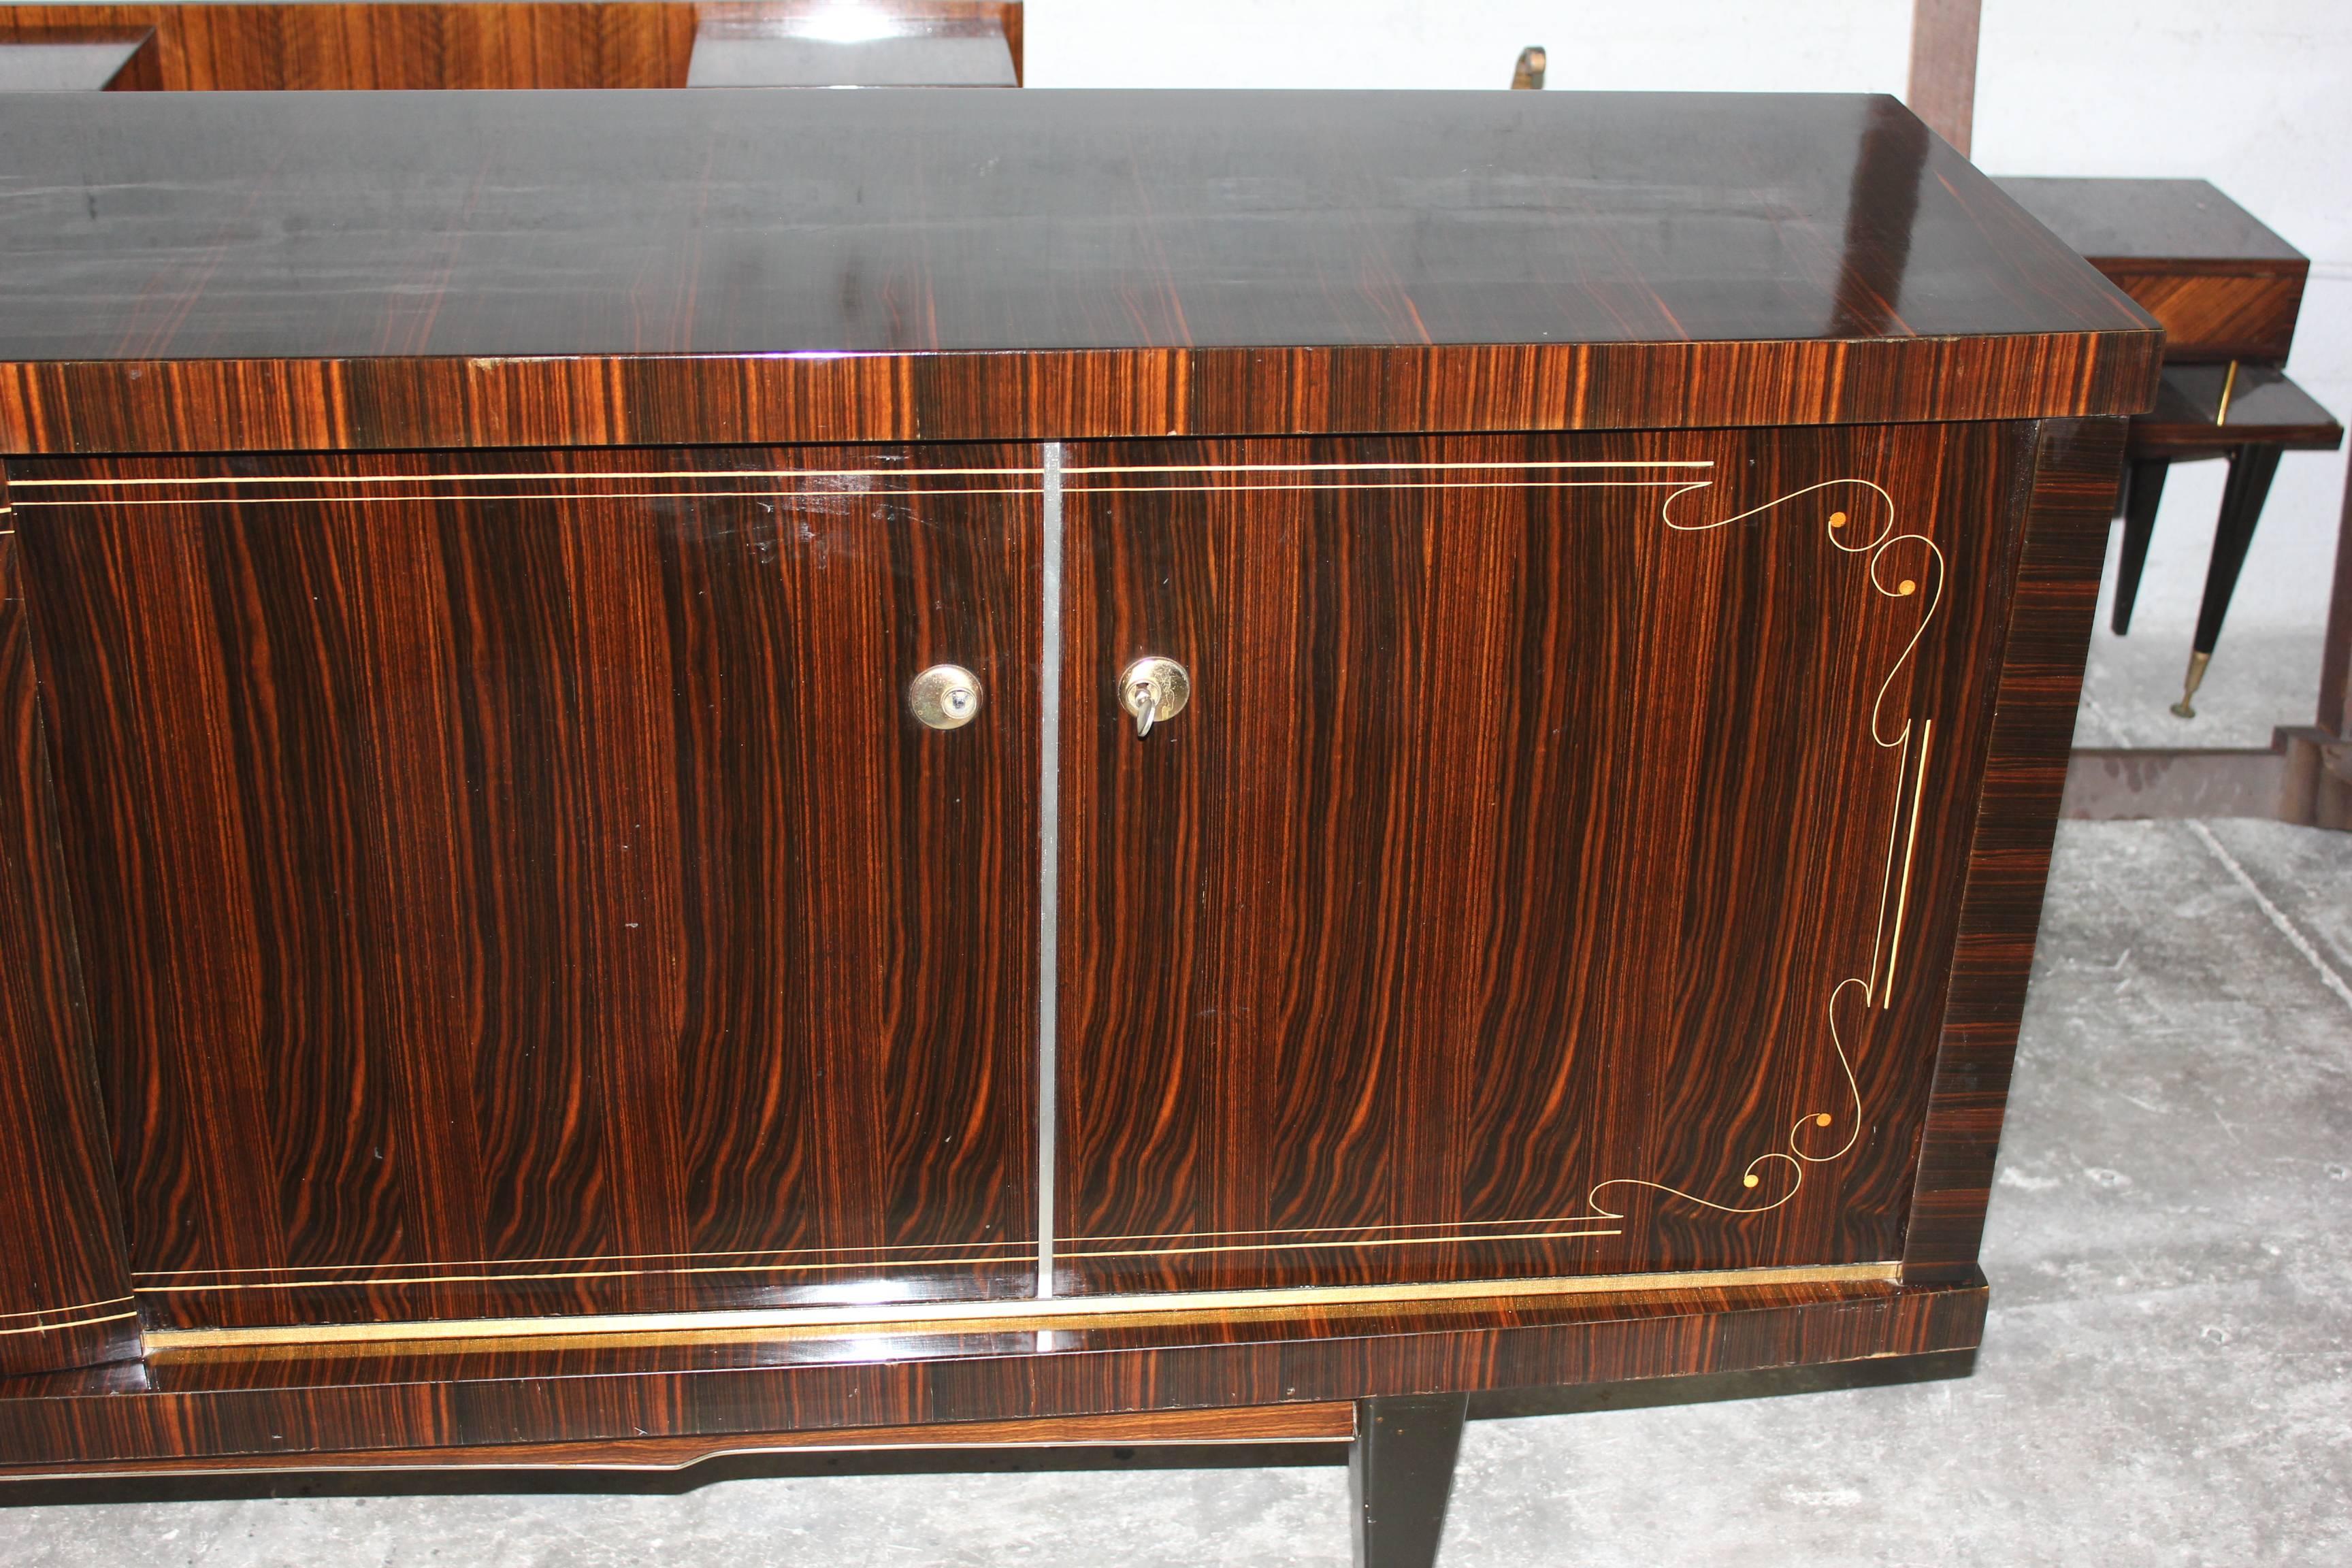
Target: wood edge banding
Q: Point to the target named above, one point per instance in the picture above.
(1326, 1421)
(88, 406)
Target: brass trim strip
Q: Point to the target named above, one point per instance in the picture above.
(1008, 1316)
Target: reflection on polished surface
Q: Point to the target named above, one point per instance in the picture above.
(233, 226)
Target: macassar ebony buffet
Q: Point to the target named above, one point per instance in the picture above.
(699, 772)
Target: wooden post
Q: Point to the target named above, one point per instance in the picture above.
(2335, 652)
(1944, 66)
(2316, 789)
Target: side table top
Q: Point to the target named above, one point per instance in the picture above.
(2192, 419)
(2149, 220)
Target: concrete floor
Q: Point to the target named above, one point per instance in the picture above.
(2166, 1378)
(2261, 678)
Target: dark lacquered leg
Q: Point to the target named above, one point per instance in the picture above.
(2252, 468)
(2143, 489)
(1400, 1473)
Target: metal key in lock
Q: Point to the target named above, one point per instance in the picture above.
(944, 696)
(1153, 689)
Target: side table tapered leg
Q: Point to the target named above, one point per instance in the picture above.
(2143, 491)
(1400, 1473)
(2252, 468)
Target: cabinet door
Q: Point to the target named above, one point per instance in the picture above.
(1555, 869)
(515, 883)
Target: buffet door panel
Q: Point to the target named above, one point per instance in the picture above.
(519, 883)
(1553, 868)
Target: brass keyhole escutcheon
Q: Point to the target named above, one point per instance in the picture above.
(944, 696)
(1154, 689)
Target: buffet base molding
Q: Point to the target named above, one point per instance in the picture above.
(1333, 1421)
(601, 1405)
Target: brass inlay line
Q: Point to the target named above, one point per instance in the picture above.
(1379, 485)
(851, 495)
(1014, 472)
(1074, 1251)
(1466, 1227)
(565, 1274)
(200, 1281)
(1873, 550)
(1066, 1311)
(541, 477)
(1910, 845)
(1887, 874)
(1513, 465)
(533, 495)
(76, 1307)
(930, 1252)
(70, 1323)
(186, 1283)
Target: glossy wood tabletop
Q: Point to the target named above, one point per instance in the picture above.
(1650, 259)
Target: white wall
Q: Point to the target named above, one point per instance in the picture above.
(2254, 95)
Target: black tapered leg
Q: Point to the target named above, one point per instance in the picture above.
(2143, 489)
(1400, 1473)
(2252, 468)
